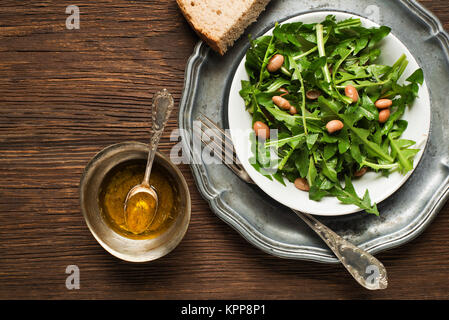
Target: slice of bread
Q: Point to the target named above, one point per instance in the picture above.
(221, 22)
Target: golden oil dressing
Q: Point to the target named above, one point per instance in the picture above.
(116, 186)
(140, 212)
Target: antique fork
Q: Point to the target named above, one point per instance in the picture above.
(365, 268)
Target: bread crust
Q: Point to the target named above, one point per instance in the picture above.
(210, 39)
(203, 34)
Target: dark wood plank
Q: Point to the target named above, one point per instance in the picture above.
(64, 95)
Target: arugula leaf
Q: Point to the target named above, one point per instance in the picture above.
(302, 163)
(311, 140)
(326, 57)
(400, 149)
(417, 76)
(330, 150)
(328, 169)
(348, 195)
(311, 172)
(292, 141)
(277, 84)
(258, 56)
(295, 33)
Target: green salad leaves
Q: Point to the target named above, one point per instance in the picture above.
(326, 57)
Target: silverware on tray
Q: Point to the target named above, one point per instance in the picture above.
(365, 268)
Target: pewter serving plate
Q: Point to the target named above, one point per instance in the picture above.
(272, 227)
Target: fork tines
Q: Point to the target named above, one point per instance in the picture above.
(215, 138)
(211, 133)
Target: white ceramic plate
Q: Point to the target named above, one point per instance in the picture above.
(380, 188)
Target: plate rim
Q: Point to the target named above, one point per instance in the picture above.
(201, 179)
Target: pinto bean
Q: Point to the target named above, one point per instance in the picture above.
(352, 93)
(383, 103)
(261, 130)
(302, 184)
(334, 126)
(360, 172)
(313, 94)
(293, 110)
(384, 115)
(275, 63)
(281, 102)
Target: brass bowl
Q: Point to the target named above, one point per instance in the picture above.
(125, 248)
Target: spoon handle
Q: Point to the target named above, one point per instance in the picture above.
(366, 269)
(162, 107)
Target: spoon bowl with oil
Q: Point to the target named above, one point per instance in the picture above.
(141, 202)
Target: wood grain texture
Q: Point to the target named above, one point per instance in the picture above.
(66, 94)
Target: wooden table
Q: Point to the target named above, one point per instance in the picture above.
(66, 94)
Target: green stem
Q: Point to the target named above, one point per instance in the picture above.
(403, 160)
(276, 85)
(303, 105)
(282, 142)
(258, 109)
(349, 23)
(334, 74)
(322, 51)
(366, 85)
(352, 78)
(377, 166)
(286, 72)
(264, 63)
(285, 159)
(305, 54)
(338, 64)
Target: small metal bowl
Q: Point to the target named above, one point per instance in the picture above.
(125, 248)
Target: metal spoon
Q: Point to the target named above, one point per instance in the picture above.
(162, 106)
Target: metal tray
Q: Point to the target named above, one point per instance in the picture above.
(273, 228)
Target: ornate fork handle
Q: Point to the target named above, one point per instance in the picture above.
(365, 268)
